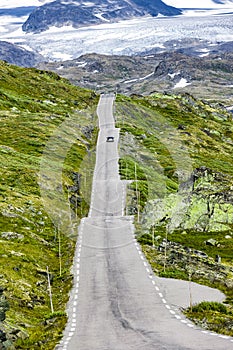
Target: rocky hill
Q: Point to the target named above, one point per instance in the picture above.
(17, 55)
(81, 13)
(208, 77)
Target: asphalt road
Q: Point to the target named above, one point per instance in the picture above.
(117, 303)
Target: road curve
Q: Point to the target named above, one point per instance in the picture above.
(116, 302)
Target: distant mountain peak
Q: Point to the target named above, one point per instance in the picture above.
(82, 13)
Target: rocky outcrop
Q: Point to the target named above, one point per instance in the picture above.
(204, 204)
(81, 13)
(190, 262)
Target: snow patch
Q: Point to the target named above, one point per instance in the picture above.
(3, 30)
(182, 83)
(130, 81)
(61, 56)
(54, 29)
(204, 50)
(138, 79)
(204, 54)
(172, 75)
(81, 64)
(201, 7)
(70, 2)
(146, 76)
(88, 4)
(100, 16)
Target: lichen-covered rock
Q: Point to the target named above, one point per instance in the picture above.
(12, 235)
(206, 205)
(7, 345)
(5, 341)
(4, 306)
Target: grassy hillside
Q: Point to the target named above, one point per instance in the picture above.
(40, 116)
(180, 152)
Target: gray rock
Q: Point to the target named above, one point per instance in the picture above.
(2, 336)
(212, 242)
(4, 305)
(12, 235)
(22, 335)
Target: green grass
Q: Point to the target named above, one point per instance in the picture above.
(39, 114)
(180, 120)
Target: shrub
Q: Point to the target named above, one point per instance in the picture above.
(210, 306)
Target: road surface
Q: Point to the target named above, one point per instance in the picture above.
(117, 303)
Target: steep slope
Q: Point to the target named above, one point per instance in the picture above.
(80, 13)
(46, 131)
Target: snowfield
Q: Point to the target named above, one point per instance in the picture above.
(200, 4)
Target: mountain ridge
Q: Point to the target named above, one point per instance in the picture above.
(80, 13)
(208, 77)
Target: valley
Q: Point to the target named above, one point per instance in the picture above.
(170, 139)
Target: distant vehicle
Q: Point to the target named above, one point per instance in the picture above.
(110, 139)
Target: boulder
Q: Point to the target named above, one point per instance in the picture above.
(212, 242)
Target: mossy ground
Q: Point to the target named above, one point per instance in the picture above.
(33, 105)
(213, 316)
